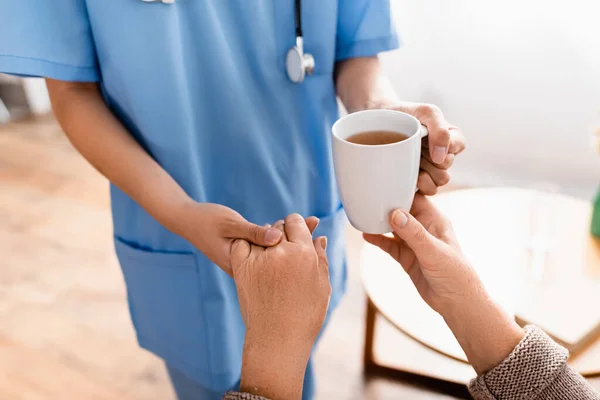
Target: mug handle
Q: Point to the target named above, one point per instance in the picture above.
(424, 132)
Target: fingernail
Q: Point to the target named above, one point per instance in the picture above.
(272, 235)
(295, 217)
(439, 154)
(267, 225)
(399, 219)
(323, 242)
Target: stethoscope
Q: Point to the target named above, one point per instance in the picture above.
(297, 63)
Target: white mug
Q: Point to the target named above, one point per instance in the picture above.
(373, 180)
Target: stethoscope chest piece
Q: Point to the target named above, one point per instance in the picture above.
(297, 63)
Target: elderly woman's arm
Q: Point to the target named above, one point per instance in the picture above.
(536, 369)
(511, 362)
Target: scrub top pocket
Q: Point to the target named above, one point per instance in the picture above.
(163, 291)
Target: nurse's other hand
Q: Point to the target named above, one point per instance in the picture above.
(212, 228)
(283, 293)
(440, 147)
(425, 245)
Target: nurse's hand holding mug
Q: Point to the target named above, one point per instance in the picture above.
(362, 85)
(440, 147)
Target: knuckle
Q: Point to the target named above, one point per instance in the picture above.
(448, 161)
(309, 253)
(458, 142)
(430, 190)
(418, 235)
(279, 250)
(427, 186)
(440, 136)
(237, 243)
(444, 134)
(428, 109)
(444, 178)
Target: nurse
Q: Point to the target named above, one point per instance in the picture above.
(210, 120)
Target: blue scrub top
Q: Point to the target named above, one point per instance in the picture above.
(201, 84)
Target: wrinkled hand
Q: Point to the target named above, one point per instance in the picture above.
(212, 228)
(283, 289)
(440, 147)
(283, 293)
(425, 245)
(427, 249)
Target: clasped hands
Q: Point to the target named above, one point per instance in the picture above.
(287, 285)
(284, 294)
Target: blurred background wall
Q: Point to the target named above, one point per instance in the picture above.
(521, 78)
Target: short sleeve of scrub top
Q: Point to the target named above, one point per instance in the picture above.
(365, 28)
(49, 39)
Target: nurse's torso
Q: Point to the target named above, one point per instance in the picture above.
(216, 108)
(203, 87)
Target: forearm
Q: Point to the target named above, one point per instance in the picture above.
(484, 331)
(362, 85)
(103, 141)
(274, 367)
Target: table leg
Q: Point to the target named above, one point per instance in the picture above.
(371, 319)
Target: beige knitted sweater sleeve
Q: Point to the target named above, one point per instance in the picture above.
(535, 370)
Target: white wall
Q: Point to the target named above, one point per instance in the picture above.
(521, 78)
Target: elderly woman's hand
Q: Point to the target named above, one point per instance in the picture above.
(425, 245)
(284, 294)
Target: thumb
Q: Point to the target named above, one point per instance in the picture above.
(260, 235)
(407, 228)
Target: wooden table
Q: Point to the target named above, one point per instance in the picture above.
(534, 254)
